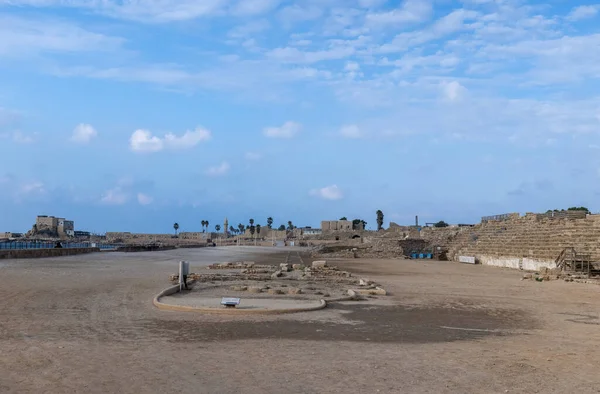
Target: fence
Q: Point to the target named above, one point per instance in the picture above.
(14, 245)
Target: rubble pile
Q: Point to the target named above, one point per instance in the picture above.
(220, 277)
(381, 248)
(373, 247)
(548, 274)
(238, 265)
(286, 280)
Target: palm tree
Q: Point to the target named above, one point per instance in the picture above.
(379, 219)
(231, 230)
(290, 225)
(176, 227)
(251, 227)
(258, 230)
(241, 228)
(203, 224)
(206, 224)
(269, 222)
(218, 228)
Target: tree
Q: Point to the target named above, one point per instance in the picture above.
(218, 228)
(578, 209)
(258, 230)
(357, 222)
(270, 222)
(206, 224)
(252, 229)
(203, 224)
(441, 223)
(282, 228)
(231, 230)
(176, 227)
(241, 228)
(290, 225)
(344, 218)
(379, 220)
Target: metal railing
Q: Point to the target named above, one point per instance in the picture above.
(13, 245)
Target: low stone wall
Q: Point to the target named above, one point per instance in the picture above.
(524, 263)
(144, 248)
(39, 253)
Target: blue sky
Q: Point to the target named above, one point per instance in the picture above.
(130, 115)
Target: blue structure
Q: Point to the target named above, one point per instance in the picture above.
(421, 255)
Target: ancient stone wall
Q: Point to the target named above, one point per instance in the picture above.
(38, 253)
(336, 225)
(49, 222)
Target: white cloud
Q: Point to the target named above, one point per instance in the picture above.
(583, 12)
(453, 90)
(143, 140)
(352, 66)
(254, 7)
(411, 11)
(83, 133)
(21, 138)
(115, 196)
(33, 188)
(159, 11)
(219, 170)
(188, 140)
(144, 199)
(351, 131)
(295, 13)
(20, 36)
(332, 192)
(253, 156)
(249, 29)
(288, 130)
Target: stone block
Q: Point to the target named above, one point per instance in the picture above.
(285, 267)
(294, 290)
(255, 289)
(298, 266)
(319, 264)
(275, 291)
(375, 291)
(239, 288)
(276, 274)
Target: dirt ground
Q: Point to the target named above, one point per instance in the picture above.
(87, 324)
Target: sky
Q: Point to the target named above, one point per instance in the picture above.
(130, 115)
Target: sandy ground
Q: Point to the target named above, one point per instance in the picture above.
(87, 324)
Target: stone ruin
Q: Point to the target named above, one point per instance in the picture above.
(531, 242)
(319, 279)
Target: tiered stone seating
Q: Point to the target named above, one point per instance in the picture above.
(530, 237)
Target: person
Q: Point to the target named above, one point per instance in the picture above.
(58, 245)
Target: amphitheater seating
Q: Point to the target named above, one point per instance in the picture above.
(531, 236)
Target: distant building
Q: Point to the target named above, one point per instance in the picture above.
(311, 231)
(336, 225)
(54, 226)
